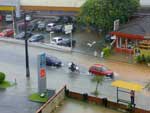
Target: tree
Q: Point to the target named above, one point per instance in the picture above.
(2, 77)
(102, 13)
(99, 81)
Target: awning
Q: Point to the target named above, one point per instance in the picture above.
(7, 8)
(129, 36)
(127, 85)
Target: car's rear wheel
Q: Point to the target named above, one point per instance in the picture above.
(110, 76)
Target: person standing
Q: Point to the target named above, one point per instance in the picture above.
(132, 97)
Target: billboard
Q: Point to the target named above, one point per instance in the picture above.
(41, 72)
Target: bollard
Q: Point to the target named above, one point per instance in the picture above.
(67, 92)
(104, 101)
(85, 97)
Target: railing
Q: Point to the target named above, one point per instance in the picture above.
(103, 101)
(53, 102)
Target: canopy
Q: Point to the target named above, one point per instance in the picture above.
(129, 36)
(127, 85)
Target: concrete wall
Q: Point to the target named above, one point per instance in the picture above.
(53, 102)
(145, 3)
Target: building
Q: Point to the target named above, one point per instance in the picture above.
(134, 35)
(47, 5)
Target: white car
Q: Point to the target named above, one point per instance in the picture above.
(49, 27)
(56, 40)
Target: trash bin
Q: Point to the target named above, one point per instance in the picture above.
(104, 100)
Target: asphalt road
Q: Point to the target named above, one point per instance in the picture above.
(12, 62)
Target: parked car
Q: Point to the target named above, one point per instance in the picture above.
(54, 19)
(101, 70)
(21, 36)
(53, 61)
(41, 25)
(29, 27)
(67, 43)
(57, 28)
(108, 38)
(56, 40)
(36, 38)
(49, 27)
(7, 33)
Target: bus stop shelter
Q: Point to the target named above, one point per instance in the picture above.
(131, 89)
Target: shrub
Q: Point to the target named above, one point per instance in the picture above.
(139, 59)
(106, 51)
(147, 59)
(2, 77)
(143, 58)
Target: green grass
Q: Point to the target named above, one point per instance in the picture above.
(35, 97)
(5, 84)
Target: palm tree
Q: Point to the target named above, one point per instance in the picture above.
(98, 80)
(147, 86)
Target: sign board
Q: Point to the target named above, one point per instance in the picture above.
(41, 72)
(116, 25)
(68, 28)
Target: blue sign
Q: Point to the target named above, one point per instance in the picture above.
(41, 72)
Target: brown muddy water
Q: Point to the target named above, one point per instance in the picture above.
(74, 106)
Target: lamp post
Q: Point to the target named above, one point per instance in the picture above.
(26, 48)
(51, 36)
(13, 17)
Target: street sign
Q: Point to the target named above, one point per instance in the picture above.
(41, 73)
(68, 28)
(116, 25)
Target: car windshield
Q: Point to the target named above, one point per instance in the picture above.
(103, 68)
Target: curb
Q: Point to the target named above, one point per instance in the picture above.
(37, 44)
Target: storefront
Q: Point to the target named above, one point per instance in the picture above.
(125, 43)
(10, 5)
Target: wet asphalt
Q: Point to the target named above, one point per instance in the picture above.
(12, 61)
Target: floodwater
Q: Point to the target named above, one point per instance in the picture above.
(12, 63)
(74, 106)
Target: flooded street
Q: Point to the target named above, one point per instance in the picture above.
(12, 62)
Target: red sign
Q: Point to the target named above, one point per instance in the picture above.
(42, 72)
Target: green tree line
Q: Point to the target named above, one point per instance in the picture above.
(102, 13)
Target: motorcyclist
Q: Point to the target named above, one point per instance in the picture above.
(72, 66)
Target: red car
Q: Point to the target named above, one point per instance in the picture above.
(7, 33)
(101, 70)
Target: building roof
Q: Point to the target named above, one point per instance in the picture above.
(139, 26)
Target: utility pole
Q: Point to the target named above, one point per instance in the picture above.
(71, 40)
(26, 48)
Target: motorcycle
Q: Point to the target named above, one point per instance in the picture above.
(73, 67)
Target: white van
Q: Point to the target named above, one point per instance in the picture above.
(8, 18)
